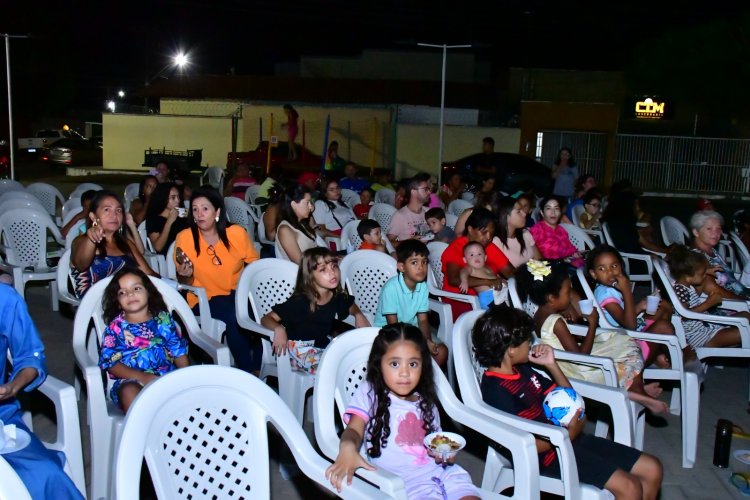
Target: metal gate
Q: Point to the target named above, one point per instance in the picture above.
(692, 164)
(589, 149)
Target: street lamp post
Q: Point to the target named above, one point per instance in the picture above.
(11, 144)
(442, 96)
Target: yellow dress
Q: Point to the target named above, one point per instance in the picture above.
(614, 344)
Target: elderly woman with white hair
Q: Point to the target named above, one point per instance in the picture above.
(706, 228)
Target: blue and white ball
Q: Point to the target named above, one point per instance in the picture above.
(561, 404)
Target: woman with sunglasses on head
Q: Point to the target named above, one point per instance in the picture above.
(212, 254)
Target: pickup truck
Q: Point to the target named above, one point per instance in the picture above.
(44, 138)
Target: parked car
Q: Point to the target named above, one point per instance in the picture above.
(45, 139)
(73, 151)
(512, 172)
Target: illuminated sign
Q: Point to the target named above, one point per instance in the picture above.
(647, 108)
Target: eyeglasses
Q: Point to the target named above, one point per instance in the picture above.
(215, 260)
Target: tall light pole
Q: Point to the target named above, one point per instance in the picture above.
(11, 143)
(442, 97)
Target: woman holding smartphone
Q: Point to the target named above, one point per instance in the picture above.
(103, 249)
(212, 254)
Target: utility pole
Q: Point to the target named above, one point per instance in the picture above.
(11, 141)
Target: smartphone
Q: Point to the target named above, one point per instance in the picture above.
(180, 256)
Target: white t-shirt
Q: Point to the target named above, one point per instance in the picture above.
(323, 215)
(406, 223)
(405, 454)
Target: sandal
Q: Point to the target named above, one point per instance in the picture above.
(741, 481)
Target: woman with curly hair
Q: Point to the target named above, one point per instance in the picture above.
(389, 416)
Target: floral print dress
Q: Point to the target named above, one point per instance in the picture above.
(150, 347)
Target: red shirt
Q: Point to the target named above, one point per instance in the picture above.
(361, 210)
(454, 254)
(366, 246)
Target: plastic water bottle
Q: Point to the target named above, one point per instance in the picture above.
(723, 443)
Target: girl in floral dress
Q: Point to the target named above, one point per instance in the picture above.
(142, 341)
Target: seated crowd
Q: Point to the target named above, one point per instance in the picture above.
(481, 248)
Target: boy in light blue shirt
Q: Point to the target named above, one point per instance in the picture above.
(404, 298)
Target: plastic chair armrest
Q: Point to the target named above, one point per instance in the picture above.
(606, 365)
(204, 311)
(314, 466)
(618, 402)
(735, 305)
(460, 297)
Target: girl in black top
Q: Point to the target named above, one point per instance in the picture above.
(303, 324)
(164, 218)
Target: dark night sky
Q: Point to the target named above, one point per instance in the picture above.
(83, 49)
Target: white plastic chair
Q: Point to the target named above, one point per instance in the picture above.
(578, 238)
(18, 195)
(155, 260)
(742, 324)
(239, 212)
(214, 176)
(64, 294)
(24, 234)
(685, 396)
(82, 188)
(629, 258)
(351, 198)
(251, 193)
(673, 231)
(11, 203)
(343, 368)
(457, 207)
(11, 486)
(351, 241)
(576, 214)
(451, 220)
(383, 214)
(264, 284)
(469, 374)
(68, 435)
(49, 195)
(385, 195)
(130, 194)
(70, 208)
(9, 185)
(226, 410)
(105, 420)
(364, 273)
(605, 365)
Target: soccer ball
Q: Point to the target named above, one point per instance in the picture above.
(561, 404)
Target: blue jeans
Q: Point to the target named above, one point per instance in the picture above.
(244, 345)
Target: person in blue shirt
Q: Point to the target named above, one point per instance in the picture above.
(404, 298)
(40, 469)
(350, 179)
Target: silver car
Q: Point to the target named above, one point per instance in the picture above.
(72, 151)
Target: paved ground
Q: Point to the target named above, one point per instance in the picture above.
(724, 395)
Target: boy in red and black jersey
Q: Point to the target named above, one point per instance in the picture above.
(502, 338)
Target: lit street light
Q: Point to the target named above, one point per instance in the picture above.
(120, 94)
(442, 97)
(180, 61)
(111, 106)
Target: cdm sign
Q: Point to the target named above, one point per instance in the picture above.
(647, 108)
